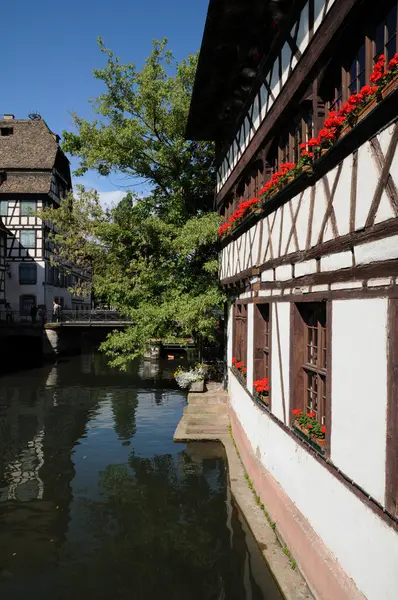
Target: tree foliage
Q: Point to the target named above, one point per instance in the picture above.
(154, 257)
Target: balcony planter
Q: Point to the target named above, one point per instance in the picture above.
(390, 87)
(239, 375)
(367, 109)
(317, 443)
(197, 386)
(262, 399)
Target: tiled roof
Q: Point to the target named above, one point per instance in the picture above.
(31, 146)
(26, 183)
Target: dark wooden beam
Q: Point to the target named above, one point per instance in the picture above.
(297, 82)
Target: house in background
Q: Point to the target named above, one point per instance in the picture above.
(37, 175)
(3, 249)
(307, 180)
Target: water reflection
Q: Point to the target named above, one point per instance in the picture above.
(96, 500)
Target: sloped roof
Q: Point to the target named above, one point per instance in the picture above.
(32, 145)
(26, 183)
(234, 30)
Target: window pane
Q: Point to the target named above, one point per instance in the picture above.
(3, 208)
(379, 40)
(361, 58)
(391, 47)
(28, 208)
(28, 239)
(27, 273)
(391, 22)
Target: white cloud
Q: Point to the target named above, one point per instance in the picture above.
(111, 199)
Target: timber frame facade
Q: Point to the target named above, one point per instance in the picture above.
(36, 174)
(311, 274)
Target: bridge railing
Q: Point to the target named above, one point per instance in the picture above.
(88, 316)
(64, 316)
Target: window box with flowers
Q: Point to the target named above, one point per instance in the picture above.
(309, 429)
(239, 370)
(261, 391)
(383, 81)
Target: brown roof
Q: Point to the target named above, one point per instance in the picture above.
(26, 183)
(32, 145)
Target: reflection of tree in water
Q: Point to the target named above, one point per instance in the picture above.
(160, 532)
(124, 406)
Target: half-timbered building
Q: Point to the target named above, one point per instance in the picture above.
(301, 101)
(3, 249)
(37, 175)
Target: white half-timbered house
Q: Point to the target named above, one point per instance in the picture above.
(301, 101)
(37, 175)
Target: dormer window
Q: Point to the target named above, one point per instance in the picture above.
(6, 131)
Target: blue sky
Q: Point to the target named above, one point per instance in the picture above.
(49, 49)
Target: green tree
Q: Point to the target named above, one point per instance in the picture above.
(154, 258)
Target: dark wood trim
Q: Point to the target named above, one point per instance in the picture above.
(345, 242)
(329, 346)
(258, 345)
(296, 360)
(392, 410)
(359, 272)
(353, 191)
(278, 341)
(349, 483)
(299, 78)
(381, 160)
(383, 179)
(359, 293)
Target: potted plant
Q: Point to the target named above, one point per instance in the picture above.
(239, 369)
(261, 387)
(309, 426)
(194, 378)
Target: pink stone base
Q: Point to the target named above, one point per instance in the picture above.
(324, 575)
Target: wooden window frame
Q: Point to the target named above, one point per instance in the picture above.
(239, 345)
(4, 203)
(302, 369)
(24, 204)
(23, 265)
(24, 232)
(342, 93)
(262, 343)
(386, 40)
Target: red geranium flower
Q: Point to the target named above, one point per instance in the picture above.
(323, 429)
(309, 426)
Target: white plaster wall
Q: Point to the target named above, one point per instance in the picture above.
(14, 290)
(383, 249)
(250, 345)
(280, 354)
(359, 391)
(365, 546)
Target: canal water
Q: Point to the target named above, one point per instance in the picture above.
(98, 502)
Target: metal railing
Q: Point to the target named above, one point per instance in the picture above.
(64, 316)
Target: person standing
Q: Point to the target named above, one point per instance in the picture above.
(8, 313)
(56, 311)
(33, 313)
